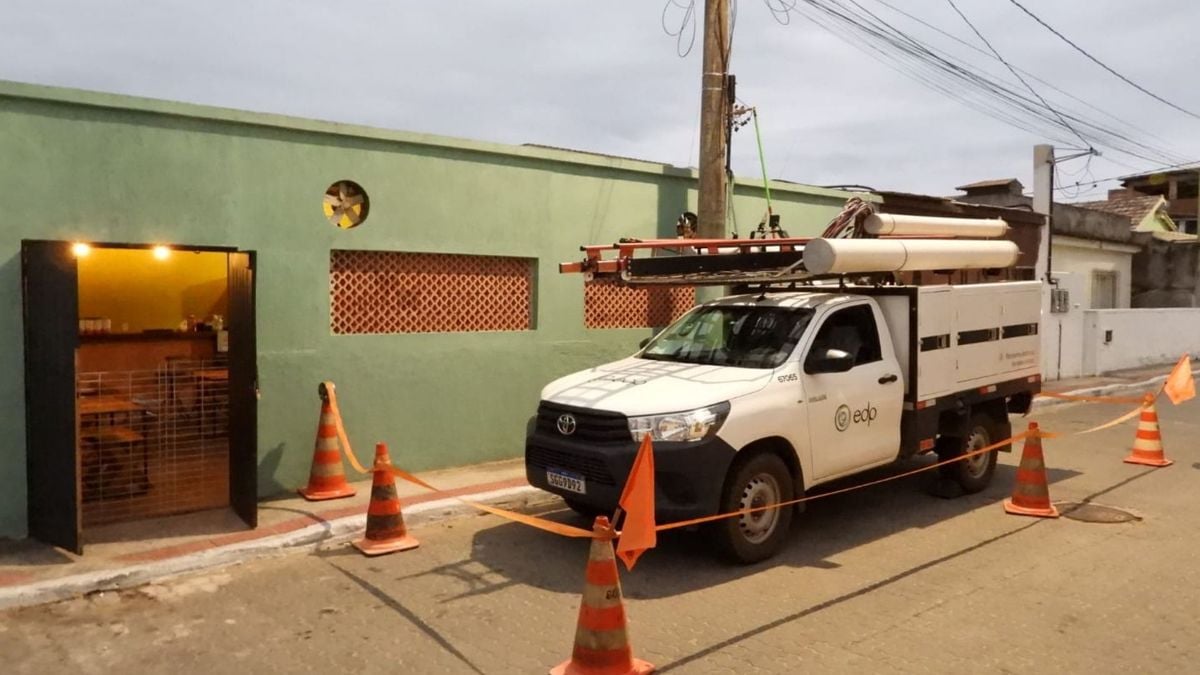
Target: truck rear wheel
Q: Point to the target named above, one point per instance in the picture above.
(975, 473)
(763, 479)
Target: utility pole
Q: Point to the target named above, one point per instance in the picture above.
(1043, 203)
(714, 120)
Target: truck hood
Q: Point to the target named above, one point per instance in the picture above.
(636, 386)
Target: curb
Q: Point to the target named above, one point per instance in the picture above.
(306, 539)
(1102, 390)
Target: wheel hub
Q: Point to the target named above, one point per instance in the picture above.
(977, 464)
(760, 491)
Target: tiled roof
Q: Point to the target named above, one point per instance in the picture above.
(1133, 207)
(1000, 182)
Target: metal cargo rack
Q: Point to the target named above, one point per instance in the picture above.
(696, 262)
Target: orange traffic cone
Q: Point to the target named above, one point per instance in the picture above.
(1030, 496)
(601, 639)
(385, 523)
(1147, 443)
(326, 480)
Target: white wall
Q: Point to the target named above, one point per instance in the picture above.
(1062, 334)
(1080, 257)
(1140, 337)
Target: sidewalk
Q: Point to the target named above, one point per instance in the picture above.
(1121, 382)
(130, 554)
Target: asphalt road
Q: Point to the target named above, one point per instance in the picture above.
(887, 579)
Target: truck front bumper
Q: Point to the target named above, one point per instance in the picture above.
(688, 477)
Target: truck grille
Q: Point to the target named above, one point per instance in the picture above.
(591, 426)
(591, 468)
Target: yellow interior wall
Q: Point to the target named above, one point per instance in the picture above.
(137, 291)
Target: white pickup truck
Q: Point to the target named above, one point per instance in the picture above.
(755, 399)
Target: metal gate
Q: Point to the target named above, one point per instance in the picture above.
(153, 442)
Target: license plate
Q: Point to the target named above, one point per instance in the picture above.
(566, 480)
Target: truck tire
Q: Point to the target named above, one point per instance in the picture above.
(763, 479)
(973, 474)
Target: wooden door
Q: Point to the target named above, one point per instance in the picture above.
(50, 295)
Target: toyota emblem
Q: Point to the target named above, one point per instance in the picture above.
(566, 424)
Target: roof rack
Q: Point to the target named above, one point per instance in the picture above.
(696, 262)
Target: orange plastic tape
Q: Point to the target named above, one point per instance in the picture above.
(721, 516)
(1114, 422)
(1090, 399)
(343, 439)
(532, 521)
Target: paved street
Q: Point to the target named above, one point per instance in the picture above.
(887, 579)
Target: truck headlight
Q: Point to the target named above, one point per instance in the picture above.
(693, 425)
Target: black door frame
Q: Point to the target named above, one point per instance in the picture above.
(49, 272)
(49, 298)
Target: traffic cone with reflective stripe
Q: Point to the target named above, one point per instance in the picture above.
(326, 479)
(601, 638)
(1147, 443)
(1031, 496)
(385, 523)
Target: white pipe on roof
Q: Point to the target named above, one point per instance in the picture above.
(929, 226)
(853, 256)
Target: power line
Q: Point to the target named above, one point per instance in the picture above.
(940, 71)
(1100, 63)
(1028, 74)
(1017, 75)
(1153, 169)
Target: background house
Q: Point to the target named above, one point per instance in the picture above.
(1178, 186)
(1112, 264)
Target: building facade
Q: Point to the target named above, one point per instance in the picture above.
(439, 316)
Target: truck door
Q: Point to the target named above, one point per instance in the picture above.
(853, 416)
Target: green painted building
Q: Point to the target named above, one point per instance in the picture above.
(98, 168)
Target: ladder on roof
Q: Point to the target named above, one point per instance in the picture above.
(696, 262)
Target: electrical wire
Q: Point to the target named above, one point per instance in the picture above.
(781, 10)
(1100, 63)
(1135, 172)
(688, 20)
(944, 73)
(1026, 73)
(1018, 75)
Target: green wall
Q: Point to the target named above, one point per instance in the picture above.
(103, 168)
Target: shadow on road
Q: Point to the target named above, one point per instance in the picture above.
(518, 554)
(394, 605)
(710, 649)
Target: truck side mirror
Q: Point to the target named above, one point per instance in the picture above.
(643, 343)
(832, 361)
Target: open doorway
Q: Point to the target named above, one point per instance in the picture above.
(151, 380)
(158, 376)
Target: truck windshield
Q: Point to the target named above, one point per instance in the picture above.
(739, 336)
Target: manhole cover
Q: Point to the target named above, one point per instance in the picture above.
(1094, 513)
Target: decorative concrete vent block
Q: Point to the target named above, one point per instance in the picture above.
(399, 292)
(608, 304)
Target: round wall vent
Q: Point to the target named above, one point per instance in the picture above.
(346, 204)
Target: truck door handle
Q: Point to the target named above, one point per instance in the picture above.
(888, 379)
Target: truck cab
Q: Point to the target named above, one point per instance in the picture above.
(754, 399)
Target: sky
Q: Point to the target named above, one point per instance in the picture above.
(605, 77)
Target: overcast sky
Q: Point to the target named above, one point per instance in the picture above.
(603, 76)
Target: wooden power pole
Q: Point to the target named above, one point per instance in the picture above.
(714, 120)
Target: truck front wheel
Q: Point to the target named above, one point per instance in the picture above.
(762, 480)
(974, 473)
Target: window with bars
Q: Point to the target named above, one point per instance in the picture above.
(373, 292)
(608, 304)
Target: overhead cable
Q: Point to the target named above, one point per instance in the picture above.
(1103, 65)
